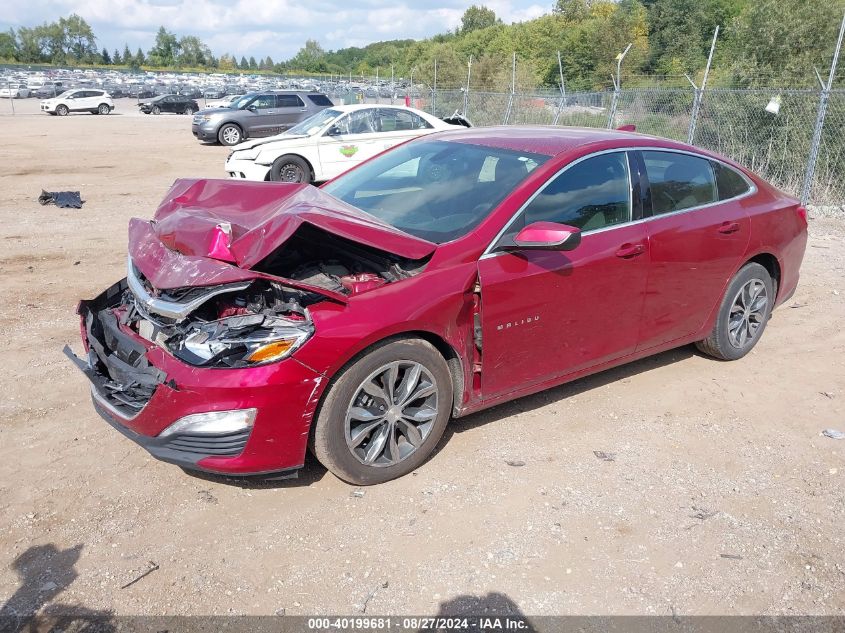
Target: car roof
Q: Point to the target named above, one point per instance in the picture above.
(363, 106)
(552, 141)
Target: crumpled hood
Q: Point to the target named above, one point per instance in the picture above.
(208, 232)
(284, 137)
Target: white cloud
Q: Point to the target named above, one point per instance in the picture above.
(259, 28)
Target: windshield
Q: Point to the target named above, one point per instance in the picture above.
(435, 190)
(314, 124)
(242, 102)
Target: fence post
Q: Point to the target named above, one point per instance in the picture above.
(392, 86)
(817, 133)
(466, 91)
(699, 92)
(562, 102)
(513, 89)
(617, 85)
(434, 91)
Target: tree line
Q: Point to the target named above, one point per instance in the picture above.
(762, 42)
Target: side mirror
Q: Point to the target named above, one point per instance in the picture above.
(333, 131)
(548, 236)
(252, 108)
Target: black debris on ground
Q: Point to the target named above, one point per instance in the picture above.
(62, 199)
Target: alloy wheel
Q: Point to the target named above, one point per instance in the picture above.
(231, 135)
(391, 414)
(748, 313)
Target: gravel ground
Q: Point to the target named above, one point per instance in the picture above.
(713, 491)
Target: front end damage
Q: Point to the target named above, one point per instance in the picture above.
(192, 357)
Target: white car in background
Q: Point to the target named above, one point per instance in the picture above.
(224, 102)
(79, 100)
(331, 142)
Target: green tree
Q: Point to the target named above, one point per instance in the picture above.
(244, 64)
(193, 52)
(776, 41)
(165, 51)
(253, 65)
(309, 57)
(116, 59)
(573, 10)
(77, 38)
(477, 17)
(105, 56)
(30, 45)
(9, 45)
(140, 60)
(226, 62)
(127, 56)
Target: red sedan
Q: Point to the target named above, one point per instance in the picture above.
(450, 274)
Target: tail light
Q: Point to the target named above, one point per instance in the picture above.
(802, 213)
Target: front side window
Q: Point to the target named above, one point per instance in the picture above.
(264, 102)
(678, 181)
(436, 190)
(590, 195)
(358, 122)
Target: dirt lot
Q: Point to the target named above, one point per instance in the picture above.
(721, 495)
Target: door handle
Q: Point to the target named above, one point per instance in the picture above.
(627, 251)
(728, 227)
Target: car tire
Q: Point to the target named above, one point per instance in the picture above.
(290, 168)
(62, 110)
(394, 445)
(103, 109)
(189, 111)
(743, 314)
(156, 110)
(230, 134)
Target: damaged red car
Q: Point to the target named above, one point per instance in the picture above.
(450, 274)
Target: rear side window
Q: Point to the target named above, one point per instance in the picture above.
(320, 100)
(289, 101)
(590, 195)
(393, 120)
(729, 183)
(679, 181)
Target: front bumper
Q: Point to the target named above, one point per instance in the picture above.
(141, 389)
(204, 132)
(246, 170)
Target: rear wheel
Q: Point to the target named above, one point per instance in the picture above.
(383, 416)
(62, 110)
(742, 317)
(189, 111)
(103, 109)
(290, 169)
(230, 134)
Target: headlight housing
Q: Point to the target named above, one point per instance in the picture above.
(240, 341)
(244, 154)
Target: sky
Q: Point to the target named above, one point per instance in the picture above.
(258, 28)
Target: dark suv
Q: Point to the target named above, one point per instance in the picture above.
(257, 114)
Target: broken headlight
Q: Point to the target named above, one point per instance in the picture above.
(240, 341)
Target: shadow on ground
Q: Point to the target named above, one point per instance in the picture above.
(44, 572)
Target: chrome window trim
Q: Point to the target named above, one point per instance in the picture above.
(752, 189)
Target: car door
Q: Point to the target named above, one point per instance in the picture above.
(352, 139)
(260, 115)
(290, 110)
(546, 314)
(76, 101)
(695, 241)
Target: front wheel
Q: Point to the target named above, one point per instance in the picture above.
(156, 110)
(743, 315)
(230, 134)
(62, 110)
(383, 416)
(290, 169)
(103, 109)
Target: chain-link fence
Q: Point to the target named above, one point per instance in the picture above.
(770, 131)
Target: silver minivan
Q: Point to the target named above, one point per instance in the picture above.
(257, 114)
